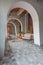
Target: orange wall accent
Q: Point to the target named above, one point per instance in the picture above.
(9, 29)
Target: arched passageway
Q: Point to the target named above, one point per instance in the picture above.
(31, 10)
(24, 25)
(11, 29)
(5, 12)
(17, 20)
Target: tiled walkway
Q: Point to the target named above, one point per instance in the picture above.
(24, 53)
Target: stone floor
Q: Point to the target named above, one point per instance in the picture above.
(24, 52)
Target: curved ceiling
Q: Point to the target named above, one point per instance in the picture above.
(18, 10)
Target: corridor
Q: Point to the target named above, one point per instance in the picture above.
(24, 52)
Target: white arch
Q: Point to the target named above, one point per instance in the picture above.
(18, 21)
(34, 15)
(14, 27)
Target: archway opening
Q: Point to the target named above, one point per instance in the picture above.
(18, 26)
(23, 21)
(16, 29)
(31, 10)
(10, 28)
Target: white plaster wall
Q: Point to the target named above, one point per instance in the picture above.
(2, 33)
(41, 24)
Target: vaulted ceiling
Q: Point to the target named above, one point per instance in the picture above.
(19, 11)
